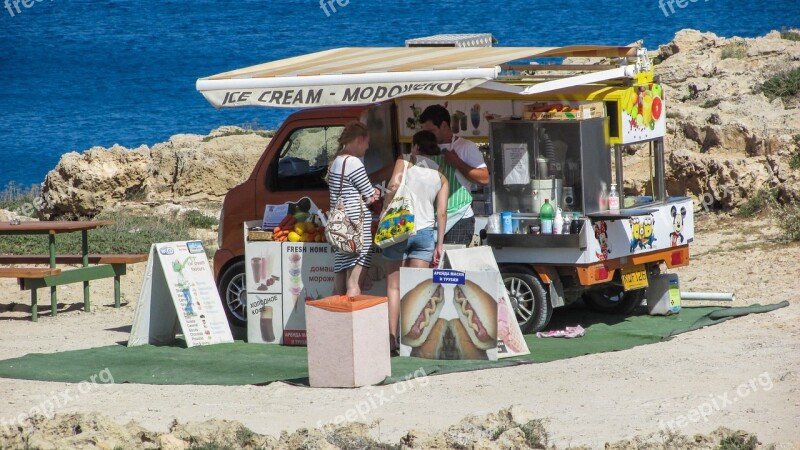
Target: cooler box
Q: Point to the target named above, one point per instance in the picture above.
(348, 341)
(663, 294)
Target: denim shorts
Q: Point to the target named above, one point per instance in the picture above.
(419, 246)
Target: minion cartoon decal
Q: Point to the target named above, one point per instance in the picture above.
(600, 233)
(636, 232)
(642, 233)
(677, 225)
(647, 236)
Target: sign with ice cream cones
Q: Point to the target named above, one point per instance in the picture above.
(307, 275)
(179, 287)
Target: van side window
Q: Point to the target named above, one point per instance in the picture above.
(304, 159)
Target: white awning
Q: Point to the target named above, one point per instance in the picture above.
(351, 76)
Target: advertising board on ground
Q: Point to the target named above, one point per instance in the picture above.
(449, 314)
(179, 287)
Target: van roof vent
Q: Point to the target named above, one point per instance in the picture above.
(454, 40)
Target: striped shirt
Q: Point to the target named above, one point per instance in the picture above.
(356, 187)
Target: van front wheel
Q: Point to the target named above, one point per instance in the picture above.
(233, 292)
(528, 298)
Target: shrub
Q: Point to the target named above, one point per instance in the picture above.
(13, 197)
(783, 84)
(736, 441)
(737, 51)
(794, 160)
(536, 435)
(789, 221)
(129, 234)
(790, 35)
(710, 103)
(196, 219)
(762, 201)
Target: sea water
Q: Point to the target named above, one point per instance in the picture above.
(81, 73)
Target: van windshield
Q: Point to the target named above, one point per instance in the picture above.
(305, 157)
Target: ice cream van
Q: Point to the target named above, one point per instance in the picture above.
(552, 124)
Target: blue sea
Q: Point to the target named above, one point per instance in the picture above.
(80, 73)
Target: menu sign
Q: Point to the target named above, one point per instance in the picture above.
(179, 287)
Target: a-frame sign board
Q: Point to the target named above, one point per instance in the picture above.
(179, 296)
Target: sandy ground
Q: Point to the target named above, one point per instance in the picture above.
(742, 374)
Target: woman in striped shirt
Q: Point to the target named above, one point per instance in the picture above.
(348, 174)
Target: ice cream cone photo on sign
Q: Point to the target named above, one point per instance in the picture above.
(295, 277)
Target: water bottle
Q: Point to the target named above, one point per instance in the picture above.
(575, 224)
(546, 215)
(613, 198)
(558, 222)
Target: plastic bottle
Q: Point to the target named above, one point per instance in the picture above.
(558, 222)
(567, 223)
(546, 215)
(602, 198)
(613, 198)
(575, 225)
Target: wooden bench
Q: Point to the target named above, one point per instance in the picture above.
(33, 278)
(21, 273)
(73, 259)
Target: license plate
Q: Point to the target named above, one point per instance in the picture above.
(634, 277)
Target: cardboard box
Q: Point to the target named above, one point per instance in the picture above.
(588, 110)
(348, 348)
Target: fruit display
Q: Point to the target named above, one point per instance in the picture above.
(299, 227)
(644, 105)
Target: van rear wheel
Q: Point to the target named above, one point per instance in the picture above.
(612, 299)
(528, 298)
(233, 292)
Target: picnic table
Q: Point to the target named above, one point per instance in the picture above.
(33, 278)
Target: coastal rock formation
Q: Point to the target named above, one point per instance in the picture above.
(725, 138)
(186, 169)
(508, 428)
(83, 184)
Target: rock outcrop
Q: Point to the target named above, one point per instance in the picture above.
(187, 169)
(726, 139)
(508, 428)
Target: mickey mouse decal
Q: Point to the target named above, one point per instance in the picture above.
(677, 225)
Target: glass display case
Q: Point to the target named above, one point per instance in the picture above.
(566, 162)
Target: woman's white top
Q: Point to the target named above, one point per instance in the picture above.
(424, 182)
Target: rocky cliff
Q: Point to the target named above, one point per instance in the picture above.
(188, 169)
(725, 140)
